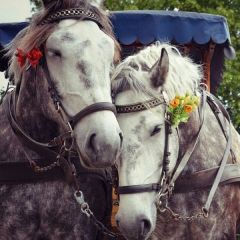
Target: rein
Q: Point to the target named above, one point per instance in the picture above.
(171, 182)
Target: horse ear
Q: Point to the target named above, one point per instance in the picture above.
(96, 3)
(159, 71)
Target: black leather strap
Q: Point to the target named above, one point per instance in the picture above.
(152, 187)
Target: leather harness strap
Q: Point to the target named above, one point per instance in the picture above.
(218, 177)
(204, 179)
(46, 150)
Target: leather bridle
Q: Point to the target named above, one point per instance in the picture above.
(73, 120)
(59, 157)
(152, 103)
(224, 173)
(61, 148)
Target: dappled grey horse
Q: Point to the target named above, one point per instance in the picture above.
(58, 120)
(174, 160)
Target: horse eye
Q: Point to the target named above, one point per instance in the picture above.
(156, 130)
(54, 53)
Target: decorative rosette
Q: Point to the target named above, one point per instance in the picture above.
(180, 108)
(32, 57)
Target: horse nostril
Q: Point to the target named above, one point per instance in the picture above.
(121, 139)
(91, 144)
(145, 227)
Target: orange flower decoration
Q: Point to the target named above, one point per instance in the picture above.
(175, 102)
(180, 108)
(188, 108)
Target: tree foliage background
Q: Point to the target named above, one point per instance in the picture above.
(229, 91)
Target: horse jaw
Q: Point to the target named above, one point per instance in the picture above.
(82, 79)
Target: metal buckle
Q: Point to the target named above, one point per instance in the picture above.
(79, 197)
(205, 212)
(84, 205)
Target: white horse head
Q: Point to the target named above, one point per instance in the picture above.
(159, 72)
(79, 55)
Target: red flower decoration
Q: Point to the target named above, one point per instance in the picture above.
(34, 56)
(21, 57)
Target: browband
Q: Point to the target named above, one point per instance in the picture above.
(137, 107)
(72, 13)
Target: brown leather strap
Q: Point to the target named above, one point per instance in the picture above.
(205, 178)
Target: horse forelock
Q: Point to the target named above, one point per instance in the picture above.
(35, 35)
(184, 75)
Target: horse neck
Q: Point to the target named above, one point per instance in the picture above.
(29, 113)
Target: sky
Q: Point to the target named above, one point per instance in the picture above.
(13, 11)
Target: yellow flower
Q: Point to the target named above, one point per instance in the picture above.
(186, 100)
(188, 108)
(177, 97)
(196, 100)
(175, 102)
